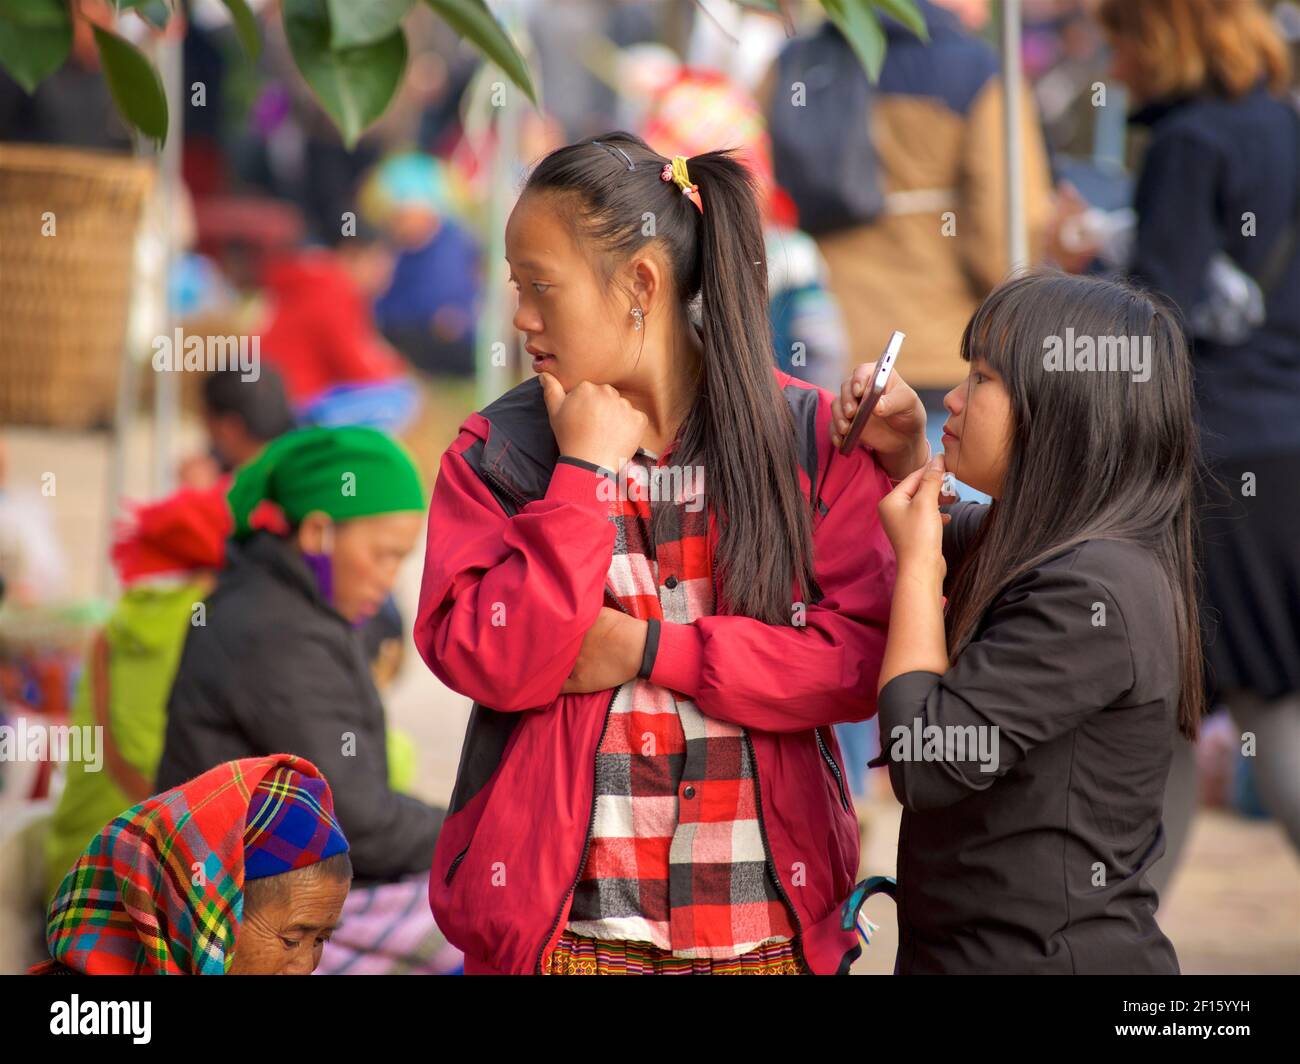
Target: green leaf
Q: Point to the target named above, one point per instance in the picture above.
(136, 87)
(354, 23)
(35, 38)
(354, 85)
(35, 12)
(862, 30)
(473, 21)
(906, 12)
(245, 26)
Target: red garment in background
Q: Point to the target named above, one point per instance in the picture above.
(183, 532)
(320, 331)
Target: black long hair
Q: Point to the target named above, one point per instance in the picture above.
(739, 428)
(1093, 455)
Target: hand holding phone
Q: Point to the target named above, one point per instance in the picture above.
(872, 396)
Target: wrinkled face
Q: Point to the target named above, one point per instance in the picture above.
(365, 554)
(573, 327)
(286, 936)
(977, 434)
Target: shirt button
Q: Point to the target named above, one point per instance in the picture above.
(670, 583)
(688, 792)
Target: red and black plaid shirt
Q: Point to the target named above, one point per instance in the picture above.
(677, 857)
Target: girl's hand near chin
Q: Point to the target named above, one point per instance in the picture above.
(911, 519)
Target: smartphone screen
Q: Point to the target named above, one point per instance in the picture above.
(873, 393)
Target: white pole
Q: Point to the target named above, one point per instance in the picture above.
(166, 396)
(1012, 88)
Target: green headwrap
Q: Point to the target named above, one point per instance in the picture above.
(344, 472)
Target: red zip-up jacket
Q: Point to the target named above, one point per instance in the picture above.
(518, 551)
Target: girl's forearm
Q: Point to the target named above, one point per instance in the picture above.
(916, 641)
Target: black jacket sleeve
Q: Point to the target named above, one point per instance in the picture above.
(1054, 649)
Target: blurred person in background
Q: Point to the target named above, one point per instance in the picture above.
(939, 244)
(240, 417)
(280, 665)
(1217, 206)
(320, 334)
(429, 308)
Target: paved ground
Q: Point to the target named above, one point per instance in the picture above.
(1234, 906)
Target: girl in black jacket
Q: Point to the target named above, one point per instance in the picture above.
(1028, 731)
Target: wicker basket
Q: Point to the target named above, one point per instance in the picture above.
(64, 299)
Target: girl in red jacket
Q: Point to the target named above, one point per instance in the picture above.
(660, 590)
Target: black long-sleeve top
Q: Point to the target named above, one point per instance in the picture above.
(1039, 865)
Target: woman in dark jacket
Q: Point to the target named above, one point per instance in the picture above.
(1027, 732)
(277, 664)
(1218, 210)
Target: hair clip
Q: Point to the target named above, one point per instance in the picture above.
(676, 171)
(612, 148)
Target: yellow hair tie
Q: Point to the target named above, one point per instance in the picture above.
(676, 172)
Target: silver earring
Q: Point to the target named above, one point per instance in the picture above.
(638, 316)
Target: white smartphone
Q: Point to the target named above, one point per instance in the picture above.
(872, 396)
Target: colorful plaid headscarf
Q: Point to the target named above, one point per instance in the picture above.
(160, 891)
(290, 825)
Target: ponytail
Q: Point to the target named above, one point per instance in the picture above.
(741, 423)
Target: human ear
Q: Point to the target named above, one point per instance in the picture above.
(648, 281)
(316, 533)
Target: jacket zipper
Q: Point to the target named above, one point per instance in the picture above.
(456, 864)
(519, 501)
(835, 770)
(591, 827)
(767, 853)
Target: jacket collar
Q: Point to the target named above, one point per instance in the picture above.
(1153, 111)
(278, 557)
(520, 452)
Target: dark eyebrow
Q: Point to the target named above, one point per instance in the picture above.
(310, 927)
(526, 264)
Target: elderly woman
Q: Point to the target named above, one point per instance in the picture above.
(241, 871)
(278, 664)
